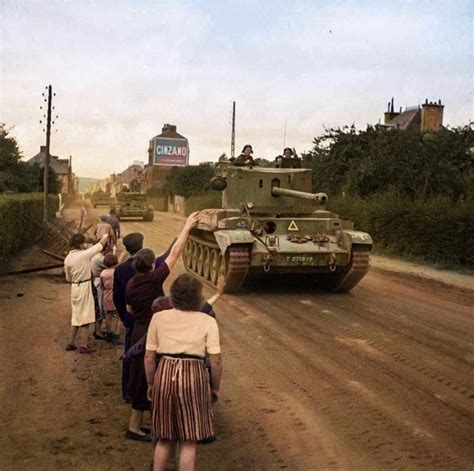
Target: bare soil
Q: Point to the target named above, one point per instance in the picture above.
(379, 378)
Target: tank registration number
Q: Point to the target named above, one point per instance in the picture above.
(300, 259)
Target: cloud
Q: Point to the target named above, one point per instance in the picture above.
(122, 69)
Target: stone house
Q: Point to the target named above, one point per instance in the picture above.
(425, 118)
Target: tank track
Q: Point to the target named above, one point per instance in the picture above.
(358, 268)
(204, 259)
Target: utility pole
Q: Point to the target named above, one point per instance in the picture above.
(46, 159)
(232, 140)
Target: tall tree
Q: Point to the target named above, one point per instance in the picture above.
(17, 176)
(393, 160)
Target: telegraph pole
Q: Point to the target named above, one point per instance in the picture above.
(46, 158)
(232, 140)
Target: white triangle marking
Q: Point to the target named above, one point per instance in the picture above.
(293, 226)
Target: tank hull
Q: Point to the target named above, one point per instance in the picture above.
(241, 247)
(134, 205)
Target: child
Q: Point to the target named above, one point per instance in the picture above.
(112, 333)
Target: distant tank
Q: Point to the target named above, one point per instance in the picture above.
(101, 198)
(270, 222)
(133, 204)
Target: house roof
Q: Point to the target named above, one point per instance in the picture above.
(60, 166)
(409, 119)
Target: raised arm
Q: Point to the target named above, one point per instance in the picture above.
(219, 291)
(178, 247)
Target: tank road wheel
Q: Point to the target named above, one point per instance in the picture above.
(187, 253)
(206, 263)
(214, 266)
(356, 270)
(196, 255)
(201, 260)
(222, 266)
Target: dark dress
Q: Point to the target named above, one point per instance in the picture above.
(142, 290)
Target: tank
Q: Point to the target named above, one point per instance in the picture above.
(271, 223)
(133, 204)
(101, 198)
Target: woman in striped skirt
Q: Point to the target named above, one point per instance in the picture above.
(179, 387)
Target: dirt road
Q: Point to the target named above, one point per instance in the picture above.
(380, 378)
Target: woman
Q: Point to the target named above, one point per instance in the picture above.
(142, 290)
(112, 321)
(179, 388)
(77, 267)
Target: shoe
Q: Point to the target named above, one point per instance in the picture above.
(146, 430)
(86, 350)
(109, 336)
(116, 340)
(98, 337)
(136, 436)
(70, 347)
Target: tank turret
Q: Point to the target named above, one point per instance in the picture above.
(271, 222)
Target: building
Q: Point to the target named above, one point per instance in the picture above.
(154, 177)
(62, 168)
(168, 148)
(118, 181)
(425, 118)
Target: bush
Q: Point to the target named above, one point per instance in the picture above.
(190, 180)
(21, 217)
(208, 200)
(437, 230)
(405, 162)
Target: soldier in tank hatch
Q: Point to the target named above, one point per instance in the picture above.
(245, 158)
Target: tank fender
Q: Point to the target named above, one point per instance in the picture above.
(226, 238)
(351, 237)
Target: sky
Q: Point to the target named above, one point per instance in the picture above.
(121, 69)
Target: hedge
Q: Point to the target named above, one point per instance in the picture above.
(21, 218)
(207, 200)
(437, 231)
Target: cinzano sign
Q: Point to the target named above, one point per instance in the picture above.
(171, 152)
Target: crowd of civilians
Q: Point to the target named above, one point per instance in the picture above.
(171, 364)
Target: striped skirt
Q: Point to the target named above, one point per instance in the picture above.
(181, 405)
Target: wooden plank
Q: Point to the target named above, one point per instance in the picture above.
(35, 269)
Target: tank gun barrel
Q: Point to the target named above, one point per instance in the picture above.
(320, 197)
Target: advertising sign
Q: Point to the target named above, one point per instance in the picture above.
(168, 151)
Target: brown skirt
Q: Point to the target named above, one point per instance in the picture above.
(137, 385)
(181, 406)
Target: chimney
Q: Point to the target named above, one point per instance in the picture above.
(169, 127)
(431, 116)
(390, 113)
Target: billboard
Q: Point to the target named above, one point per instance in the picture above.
(170, 151)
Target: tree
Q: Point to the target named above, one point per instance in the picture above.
(190, 180)
(402, 162)
(17, 176)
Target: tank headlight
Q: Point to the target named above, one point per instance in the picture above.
(269, 227)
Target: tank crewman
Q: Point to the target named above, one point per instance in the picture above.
(245, 158)
(278, 161)
(287, 153)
